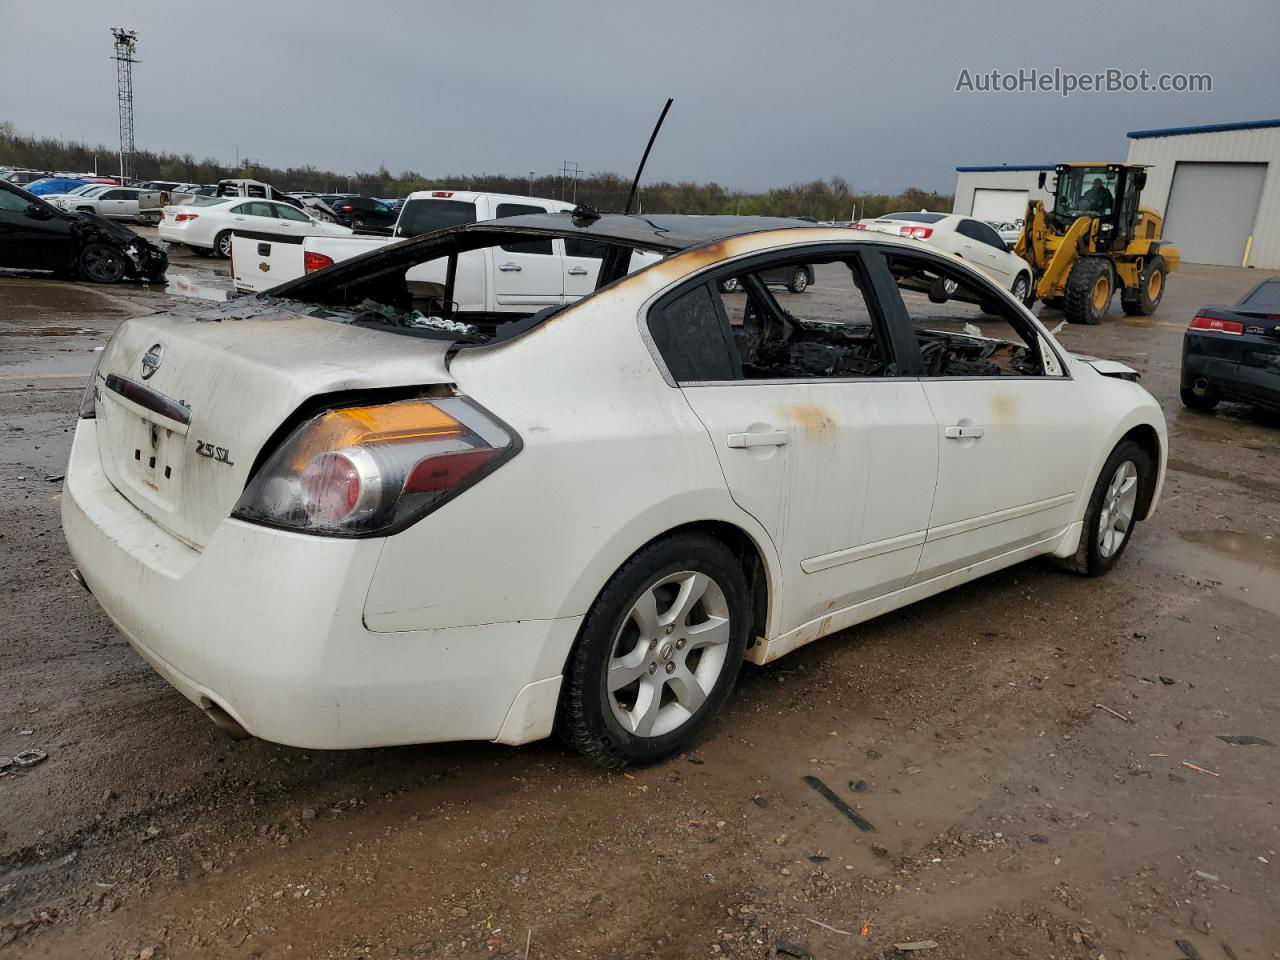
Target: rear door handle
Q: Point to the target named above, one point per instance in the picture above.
(577, 271)
(509, 267)
(963, 433)
(740, 441)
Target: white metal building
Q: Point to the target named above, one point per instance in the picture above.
(1218, 187)
(998, 192)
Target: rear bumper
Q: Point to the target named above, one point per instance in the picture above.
(268, 626)
(1241, 370)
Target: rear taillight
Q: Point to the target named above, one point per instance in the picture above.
(183, 217)
(858, 226)
(919, 233)
(346, 208)
(1219, 326)
(361, 471)
(311, 262)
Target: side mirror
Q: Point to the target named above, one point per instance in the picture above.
(38, 211)
(1042, 178)
(1140, 179)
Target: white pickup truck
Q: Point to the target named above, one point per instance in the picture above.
(537, 273)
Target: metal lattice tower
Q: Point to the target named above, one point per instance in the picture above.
(126, 46)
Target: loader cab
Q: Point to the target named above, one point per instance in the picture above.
(1108, 192)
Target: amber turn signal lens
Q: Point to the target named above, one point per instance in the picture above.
(361, 426)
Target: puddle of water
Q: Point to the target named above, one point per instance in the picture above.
(182, 285)
(1247, 565)
(49, 332)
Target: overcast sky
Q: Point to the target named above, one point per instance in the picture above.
(766, 93)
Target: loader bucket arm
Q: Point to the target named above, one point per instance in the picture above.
(1053, 280)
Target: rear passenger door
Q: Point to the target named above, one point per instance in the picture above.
(582, 259)
(527, 272)
(984, 248)
(818, 437)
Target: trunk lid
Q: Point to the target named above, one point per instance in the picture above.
(186, 402)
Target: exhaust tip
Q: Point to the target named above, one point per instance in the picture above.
(78, 577)
(225, 722)
(1200, 387)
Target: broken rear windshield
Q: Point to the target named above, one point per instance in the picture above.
(423, 216)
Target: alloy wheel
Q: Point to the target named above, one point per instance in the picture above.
(1118, 504)
(668, 654)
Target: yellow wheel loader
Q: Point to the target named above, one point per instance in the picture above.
(1094, 239)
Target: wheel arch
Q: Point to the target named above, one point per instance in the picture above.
(1146, 437)
(762, 577)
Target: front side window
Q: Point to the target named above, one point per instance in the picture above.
(14, 202)
(965, 328)
(1085, 191)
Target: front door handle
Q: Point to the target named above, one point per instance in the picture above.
(740, 441)
(963, 433)
(509, 267)
(577, 271)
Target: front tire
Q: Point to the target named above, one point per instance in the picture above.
(222, 245)
(1113, 509)
(1089, 290)
(657, 654)
(100, 263)
(799, 281)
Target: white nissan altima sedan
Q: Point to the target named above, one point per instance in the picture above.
(344, 514)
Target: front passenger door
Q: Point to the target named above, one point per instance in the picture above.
(1012, 446)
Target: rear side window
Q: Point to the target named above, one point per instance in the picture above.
(691, 337)
(423, 216)
(1265, 297)
(286, 212)
(541, 247)
(585, 247)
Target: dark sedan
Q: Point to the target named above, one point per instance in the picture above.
(1233, 353)
(361, 212)
(37, 236)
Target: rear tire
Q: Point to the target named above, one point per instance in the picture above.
(100, 263)
(1195, 401)
(942, 289)
(1089, 290)
(1112, 512)
(222, 245)
(799, 281)
(1144, 301)
(657, 654)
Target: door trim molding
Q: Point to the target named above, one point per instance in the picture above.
(865, 551)
(999, 516)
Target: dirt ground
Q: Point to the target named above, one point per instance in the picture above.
(1014, 813)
